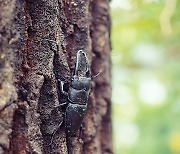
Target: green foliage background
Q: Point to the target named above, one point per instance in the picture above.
(146, 63)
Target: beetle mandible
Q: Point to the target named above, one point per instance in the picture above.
(77, 95)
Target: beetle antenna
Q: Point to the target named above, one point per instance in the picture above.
(97, 74)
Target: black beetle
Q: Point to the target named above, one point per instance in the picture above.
(77, 95)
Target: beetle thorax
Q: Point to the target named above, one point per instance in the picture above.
(81, 83)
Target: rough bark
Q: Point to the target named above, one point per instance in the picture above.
(38, 45)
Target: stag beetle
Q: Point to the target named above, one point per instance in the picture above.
(77, 95)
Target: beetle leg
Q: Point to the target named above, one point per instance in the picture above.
(55, 132)
(80, 131)
(63, 104)
(61, 87)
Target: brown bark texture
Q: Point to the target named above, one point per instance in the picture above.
(39, 40)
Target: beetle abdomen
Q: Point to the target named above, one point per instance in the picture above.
(74, 117)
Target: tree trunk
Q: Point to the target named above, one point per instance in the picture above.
(39, 40)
